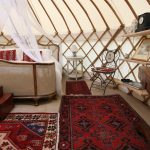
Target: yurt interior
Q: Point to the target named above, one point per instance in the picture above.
(75, 74)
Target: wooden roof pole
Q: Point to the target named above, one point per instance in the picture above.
(56, 34)
(69, 32)
(61, 16)
(48, 17)
(131, 8)
(94, 29)
(36, 18)
(50, 22)
(148, 1)
(86, 15)
(114, 12)
(33, 12)
(64, 22)
(100, 14)
(73, 15)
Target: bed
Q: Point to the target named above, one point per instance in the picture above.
(29, 80)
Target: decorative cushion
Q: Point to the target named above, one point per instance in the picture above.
(107, 70)
(103, 70)
(46, 54)
(27, 58)
(8, 55)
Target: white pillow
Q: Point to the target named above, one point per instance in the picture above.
(46, 54)
(19, 54)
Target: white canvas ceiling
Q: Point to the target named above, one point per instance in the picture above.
(64, 16)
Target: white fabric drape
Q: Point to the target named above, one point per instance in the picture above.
(18, 21)
(58, 69)
(14, 18)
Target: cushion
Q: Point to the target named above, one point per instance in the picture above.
(8, 54)
(46, 54)
(103, 70)
(19, 54)
(27, 58)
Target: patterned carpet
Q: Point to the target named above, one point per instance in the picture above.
(29, 131)
(100, 123)
(77, 87)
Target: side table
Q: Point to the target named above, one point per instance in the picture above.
(75, 71)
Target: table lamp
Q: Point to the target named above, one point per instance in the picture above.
(74, 50)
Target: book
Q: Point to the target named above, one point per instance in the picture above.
(136, 85)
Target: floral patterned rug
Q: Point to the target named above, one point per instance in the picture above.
(28, 131)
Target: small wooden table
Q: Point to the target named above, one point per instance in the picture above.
(74, 71)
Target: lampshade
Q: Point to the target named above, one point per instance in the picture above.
(73, 48)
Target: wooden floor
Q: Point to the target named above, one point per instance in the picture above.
(53, 105)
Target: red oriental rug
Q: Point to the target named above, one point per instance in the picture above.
(28, 131)
(77, 87)
(100, 123)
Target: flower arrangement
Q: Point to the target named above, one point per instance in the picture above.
(74, 50)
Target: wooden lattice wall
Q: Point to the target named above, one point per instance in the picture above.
(91, 44)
